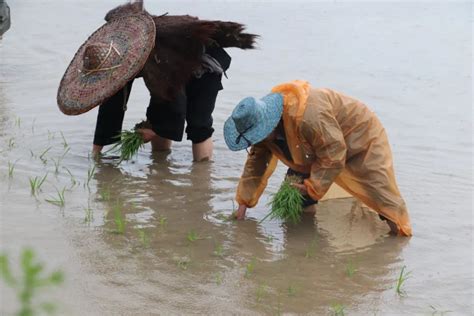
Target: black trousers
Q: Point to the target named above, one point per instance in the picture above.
(193, 106)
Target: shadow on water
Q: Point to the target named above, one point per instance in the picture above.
(341, 255)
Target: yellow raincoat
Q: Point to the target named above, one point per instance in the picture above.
(334, 138)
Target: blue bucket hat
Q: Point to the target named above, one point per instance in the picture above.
(252, 121)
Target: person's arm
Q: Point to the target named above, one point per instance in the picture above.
(259, 167)
(327, 140)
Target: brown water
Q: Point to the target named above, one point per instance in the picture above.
(409, 61)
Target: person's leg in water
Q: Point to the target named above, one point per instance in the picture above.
(201, 96)
(110, 119)
(167, 120)
(308, 201)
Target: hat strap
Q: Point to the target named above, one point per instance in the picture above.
(241, 135)
(109, 52)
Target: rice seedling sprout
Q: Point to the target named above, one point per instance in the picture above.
(311, 250)
(90, 174)
(144, 239)
(89, 215)
(119, 220)
(11, 168)
(11, 143)
(192, 236)
(287, 203)
(218, 278)
(60, 200)
(41, 157)
(219, 251)
(30, 283)
(401, 281)
(65, 144)
(260, 293)
(338, 309)
(437, 312)
(350, 269)
(36, 183)
(250, 267)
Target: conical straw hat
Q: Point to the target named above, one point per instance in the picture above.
(111, 57)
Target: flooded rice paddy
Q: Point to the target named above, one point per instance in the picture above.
(153, 236)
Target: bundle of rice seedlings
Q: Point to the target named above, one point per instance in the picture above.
(287, 203)
(130, 142)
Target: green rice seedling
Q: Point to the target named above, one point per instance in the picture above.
(250, 267)
(90, 174)
(36, 183)
(119, 220)
(65, 144)
(42, 156)
(192, 236)
(57, 161)
(311, 250)
(338, 309)
(144, 239)
(163, 221)
(437, 312)
(11, 143)
(30, 283)
(50, 135)
(219, 251)
(218, 278)
(291, 290)
(350, 269)
(104, 194)
(401, 281)
(11, 168)
(183, 263)
(18, 122)
(89, 215)
(128, 145)
(74, 182)
(260, 293)
(60, 200)
(287, 203)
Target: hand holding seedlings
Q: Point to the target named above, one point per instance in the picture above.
(287, 203)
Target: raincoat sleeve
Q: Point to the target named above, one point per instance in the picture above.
(259, 167)
(325, 137)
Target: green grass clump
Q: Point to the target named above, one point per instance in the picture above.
(287, 203)
(30, 283)
(128, 145)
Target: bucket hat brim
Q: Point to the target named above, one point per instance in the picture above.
(271, 113)
(134, 38)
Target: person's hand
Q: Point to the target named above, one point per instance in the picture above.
(240, 213)
(147, 134)
(301, 188)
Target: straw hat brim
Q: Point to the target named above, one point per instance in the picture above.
(134, 38)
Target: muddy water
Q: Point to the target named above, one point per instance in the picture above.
(409, 61)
